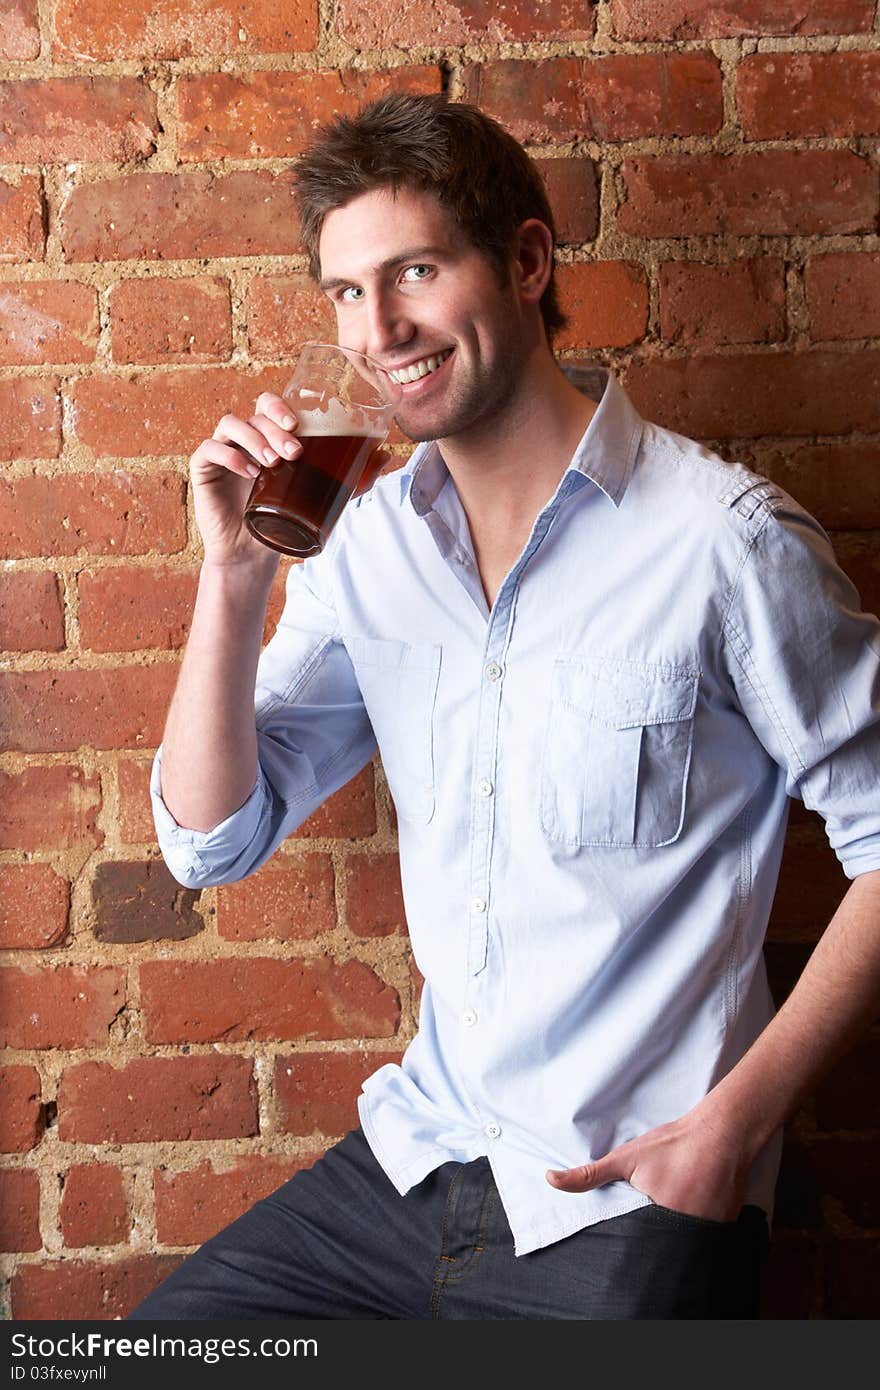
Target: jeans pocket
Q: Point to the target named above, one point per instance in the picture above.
(398, 683)
(686, 1218)
(617, 751)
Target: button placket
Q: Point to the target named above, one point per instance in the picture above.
(482, 809)
(498, 634)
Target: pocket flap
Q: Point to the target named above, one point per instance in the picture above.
(625, 694)
(387, 654)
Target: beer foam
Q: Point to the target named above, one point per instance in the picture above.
(332, 418)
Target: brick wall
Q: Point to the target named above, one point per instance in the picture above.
(715, 172)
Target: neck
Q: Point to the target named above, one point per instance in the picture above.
(507, 470)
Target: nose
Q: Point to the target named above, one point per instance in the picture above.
(388, 325)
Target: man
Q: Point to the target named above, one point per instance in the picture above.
(596, 660)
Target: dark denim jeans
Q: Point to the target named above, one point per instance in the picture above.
(338, 1241)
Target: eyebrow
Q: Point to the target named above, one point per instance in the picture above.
(414, 254)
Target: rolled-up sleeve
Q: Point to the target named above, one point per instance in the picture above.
(805, 661)
(313, 736)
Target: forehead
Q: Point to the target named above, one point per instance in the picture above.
(373, 227)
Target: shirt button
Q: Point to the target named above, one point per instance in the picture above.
(469, 1017)
(478, 904)
(492, 1131)
(484, 787)
(493, 671)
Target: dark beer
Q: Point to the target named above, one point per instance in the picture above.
(294, 505)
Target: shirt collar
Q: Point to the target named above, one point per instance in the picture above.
(605, 454)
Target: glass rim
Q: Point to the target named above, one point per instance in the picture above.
(377, 366)
(340, 347)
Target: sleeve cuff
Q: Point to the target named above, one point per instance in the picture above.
(233, 832)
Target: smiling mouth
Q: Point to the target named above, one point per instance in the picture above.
(419, 369)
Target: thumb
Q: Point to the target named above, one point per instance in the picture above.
(584, 1177)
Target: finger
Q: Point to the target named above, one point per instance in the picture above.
(282, 441)
(231, 430)
(582, 1178)
(227, 456)
(277, 409)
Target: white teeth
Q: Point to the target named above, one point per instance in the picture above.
(420, 369)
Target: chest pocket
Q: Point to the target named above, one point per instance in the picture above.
(398, 681)
(617, 752)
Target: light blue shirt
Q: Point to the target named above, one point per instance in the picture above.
(591, 782)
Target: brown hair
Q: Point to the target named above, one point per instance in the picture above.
(480, 175)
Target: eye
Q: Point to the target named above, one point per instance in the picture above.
(350, 295)
(417, 272)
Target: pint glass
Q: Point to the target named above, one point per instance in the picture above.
(344, 406)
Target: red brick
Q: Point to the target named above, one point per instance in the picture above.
(349, 814)
(193, 1205)
(85, 1291)
(59, 1005)
(811, 885)
(30, 419)
(118, 513)
(170, 412)
(182, 320)
(785, 965)
(130, 609)
(248, 212)
(417, 981)
(22, 220)
(19, 30)
(573, 191)
(706, 305)
(798, 1205)
(49, 120)
(839, 484)
(846, 1168)
(625, 97)
(850, 1278)
(863, 568)
(849, 1096)
(770, 193)
(720, 19)
(790, 1283)
(606, 303)
(785, 96)
(275, 114)
(142, 902)
(317, 1091)
(739, 397)
(284, 311)
(135, 808)
(374, 897)
(843, 294)
(253, 999)
(384, 24)
(33, 906)
(21, 1113)
(288, 901)
(31, 616)
(19, 1209)
(158, 1098)
(94, 1206)
(47, 321)
(99, 31)
(49, 808)
(59, 711)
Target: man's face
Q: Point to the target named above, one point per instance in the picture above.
(411, 291)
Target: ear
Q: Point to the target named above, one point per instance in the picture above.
(532, 259)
